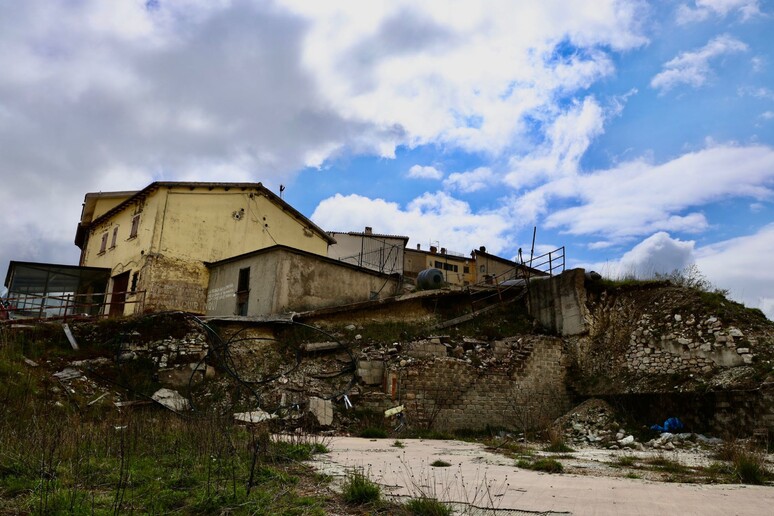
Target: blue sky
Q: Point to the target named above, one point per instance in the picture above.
(640, 135)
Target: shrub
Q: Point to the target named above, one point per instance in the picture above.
(750, 467)
(428, 507)
(360, 490)
(373, 433)
(440, 464)
(545, 465)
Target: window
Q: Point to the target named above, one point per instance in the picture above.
(103, 245)
(438, 265)
(115, 236)
(135, 226)
(466, 269)
(482, 269)
(135, 277)
(243, 291)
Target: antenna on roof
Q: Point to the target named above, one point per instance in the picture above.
(282, 189)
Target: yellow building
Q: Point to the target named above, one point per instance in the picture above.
(156, 240)
(457, 269)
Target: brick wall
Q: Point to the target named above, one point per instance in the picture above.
(526, 389)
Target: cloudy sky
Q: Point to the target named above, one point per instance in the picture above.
(640, 135)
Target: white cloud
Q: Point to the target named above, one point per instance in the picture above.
(705, 8)
(567, 139)
(638, 197)
(471, 181)
(424, 172)
(693, 68)
(736, 265)
(733, 264)
(433, 217)
(461, 73)
(767, 115)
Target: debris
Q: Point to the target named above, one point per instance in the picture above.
(256, 416)
(171, 399)
(322, 410)
(95, 400)
(68, 373)
(311, 347)
(394, 410)
(70, 337)
(671, 425)
(30, 363)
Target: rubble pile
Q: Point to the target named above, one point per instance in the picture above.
(594, 423)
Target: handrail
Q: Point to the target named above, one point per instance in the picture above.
(36, 306)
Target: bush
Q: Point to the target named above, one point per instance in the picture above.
(545, 465)
(440, 464)
(428, 507)
(750, 467)
(373, 433)
(360, 490)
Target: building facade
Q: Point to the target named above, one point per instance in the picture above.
(373, 251)
(156, 240)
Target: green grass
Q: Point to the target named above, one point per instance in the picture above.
(373, 433)
(545, 464)
(626, 461)
(668, 465)
(558, 447)
(398, 444)
(427, 507)
(358, 489)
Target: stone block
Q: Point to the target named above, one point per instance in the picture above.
(371, 371)
(322, 410)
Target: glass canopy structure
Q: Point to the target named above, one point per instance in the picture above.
(44, 290)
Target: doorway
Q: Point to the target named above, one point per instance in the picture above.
(118, 294)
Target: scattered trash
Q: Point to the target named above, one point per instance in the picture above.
(30, 363)
(68, 373)
(171, 399)
(70, 336)
(671, 425)
(256, 416)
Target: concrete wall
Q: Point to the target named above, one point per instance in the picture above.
(559, 302)
(283, 280)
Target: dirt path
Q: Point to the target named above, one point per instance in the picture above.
(484, 479)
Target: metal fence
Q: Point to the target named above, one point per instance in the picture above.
(65, 306)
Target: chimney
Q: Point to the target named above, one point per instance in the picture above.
(433, 249)
(482, 249)
(443, 250)
(369, 230)
(419, 247)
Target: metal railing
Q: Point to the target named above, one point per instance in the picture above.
(550, 262)
(68, 305)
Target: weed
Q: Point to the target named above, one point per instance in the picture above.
(666, 465)
(632, 475)
(626, 461)
(750, 467)
(373, 433)
(398, 444)
(558, 447)
(358, 489)
(428, 507)
(440, 464)
(546, 465)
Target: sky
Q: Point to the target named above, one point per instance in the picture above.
(638, 135)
